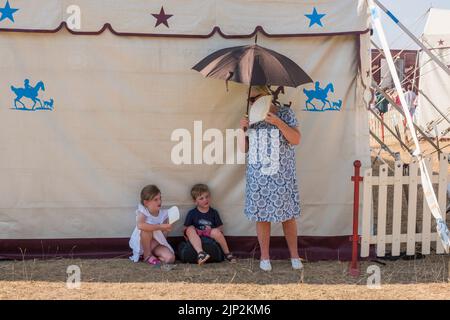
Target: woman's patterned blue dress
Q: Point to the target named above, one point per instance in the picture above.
(271, 193)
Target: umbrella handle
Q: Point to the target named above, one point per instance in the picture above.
(248, 99)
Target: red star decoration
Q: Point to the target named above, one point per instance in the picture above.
(162, 17)
(441, 42)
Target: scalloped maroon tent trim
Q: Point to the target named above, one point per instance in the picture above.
(215, 30)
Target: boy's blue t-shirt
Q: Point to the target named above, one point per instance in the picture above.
(200, 220)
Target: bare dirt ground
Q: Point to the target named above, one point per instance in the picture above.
(121, 279)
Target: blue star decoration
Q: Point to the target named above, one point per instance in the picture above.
(7, 12)
(315, 18)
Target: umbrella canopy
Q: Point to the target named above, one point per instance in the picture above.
(252, 65)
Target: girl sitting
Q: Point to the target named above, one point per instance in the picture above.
(152, 227)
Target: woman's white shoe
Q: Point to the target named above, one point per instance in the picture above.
(296, 264)
(265, 265)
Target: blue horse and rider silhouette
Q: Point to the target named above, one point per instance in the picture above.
(321, 94)
(32, 93)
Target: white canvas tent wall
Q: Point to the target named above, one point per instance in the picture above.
(434, 81)
(122, 85)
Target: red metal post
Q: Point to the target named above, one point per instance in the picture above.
(354, 265)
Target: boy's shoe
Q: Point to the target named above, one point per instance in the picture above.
(296, 264)
(265, 265)
(230, 258)
(202, 257)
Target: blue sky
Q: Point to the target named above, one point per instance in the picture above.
(412, 13)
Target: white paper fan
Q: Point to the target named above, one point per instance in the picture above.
(174, 214)
(259, 109)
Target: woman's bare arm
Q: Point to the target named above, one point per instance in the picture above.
(292, 135)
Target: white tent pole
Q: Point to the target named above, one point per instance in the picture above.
(428, 190)
(413, 37)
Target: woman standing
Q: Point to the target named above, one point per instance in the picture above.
(271, 194)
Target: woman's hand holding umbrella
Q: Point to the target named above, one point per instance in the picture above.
(244, 123)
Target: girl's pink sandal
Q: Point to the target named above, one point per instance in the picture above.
(153, 261)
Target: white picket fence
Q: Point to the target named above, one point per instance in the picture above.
(408, 218)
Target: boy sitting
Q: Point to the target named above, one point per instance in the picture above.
(204, 221)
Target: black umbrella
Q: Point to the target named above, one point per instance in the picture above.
(252, 65)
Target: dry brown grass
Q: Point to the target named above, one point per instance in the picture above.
(121, 279)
